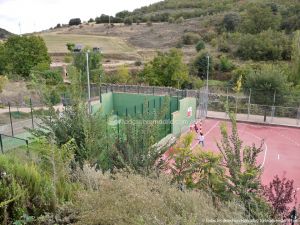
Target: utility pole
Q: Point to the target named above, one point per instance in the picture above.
(88, 80)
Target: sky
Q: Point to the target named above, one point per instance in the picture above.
(26, 16)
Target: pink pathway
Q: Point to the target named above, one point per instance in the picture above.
(281, 147)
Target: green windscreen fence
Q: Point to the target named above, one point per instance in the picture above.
(9, 142)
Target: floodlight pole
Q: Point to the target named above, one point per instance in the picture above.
(88, 80)
(207, 73)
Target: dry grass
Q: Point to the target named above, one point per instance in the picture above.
(133, 199)
(56, 42)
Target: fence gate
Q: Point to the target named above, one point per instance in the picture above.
(202, 104)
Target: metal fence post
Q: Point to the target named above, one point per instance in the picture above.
(100, 93)
(1, 144)
(31, 111)
(118, 126)
(11, 123)
(298, 116)
(249, 104)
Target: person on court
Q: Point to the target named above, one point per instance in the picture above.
(201, 139)
(196, 127)
(293, 216)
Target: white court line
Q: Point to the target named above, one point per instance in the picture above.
(259, 138)
(213, 127)
(278, 156)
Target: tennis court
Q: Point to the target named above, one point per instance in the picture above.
(281, 147)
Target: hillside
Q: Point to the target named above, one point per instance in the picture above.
(4, 34)
(163, 25)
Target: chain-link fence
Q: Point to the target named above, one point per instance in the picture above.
(253, 105)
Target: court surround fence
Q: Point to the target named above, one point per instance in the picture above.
(8, 142)
(281, 110)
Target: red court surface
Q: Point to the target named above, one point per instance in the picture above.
(281, 147)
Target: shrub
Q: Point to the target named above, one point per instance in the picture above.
(3, 81)
(268, 45)
(259, 18)
(149, 23)
(200, 46)
(128, 21)
(91, 20)
(225, 64)
(224, 47)
(147, 201)
(199, 66)
(180, 20)
(171, 20)
(138, 63)
(209, 35)
(74, 22)
(190, 38)
(52, 77)
(231, 21)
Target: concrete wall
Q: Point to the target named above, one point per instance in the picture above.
(186, 115)
(136, 104)
(107, 104)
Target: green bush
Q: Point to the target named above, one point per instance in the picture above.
(52, 77)
(200, 46)
(225, 64)
(268, 45)
(190, 38)
(199, 66)
(180, 20)
(128, 21)
(231, 21)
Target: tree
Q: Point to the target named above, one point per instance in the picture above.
(22, 53)
(91, 20)
(268, 87)
(74, 22)
(166, 69)
(128, 21)
(123, 74)
(244, 172)
(102, 19)
(231, 21)
(70, 46)
(295, 74)
(280, 194)
(2, 58)
(190, 38)
(200, 46)
(268, 45)
(266, 82)
(95, 66)
(123, 14)
(197, 168)
(199, 66)
(259, 18)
